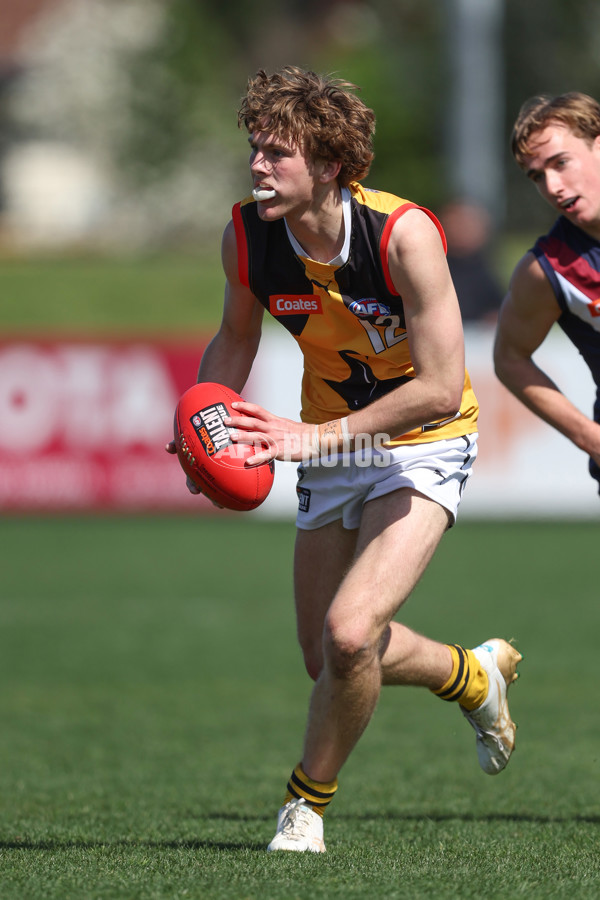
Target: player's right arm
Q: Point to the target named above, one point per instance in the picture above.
(526, 316)
(229, 356)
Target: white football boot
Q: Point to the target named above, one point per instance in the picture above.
(492, 722)
(299, 828)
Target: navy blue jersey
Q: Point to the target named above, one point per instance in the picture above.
(570, 259)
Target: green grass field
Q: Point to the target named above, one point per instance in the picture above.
(159, 293)
(152, 696)
(82, 295)
(152, 705)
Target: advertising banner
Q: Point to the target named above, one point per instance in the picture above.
(83, 425)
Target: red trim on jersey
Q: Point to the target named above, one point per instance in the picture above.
(572, 266)
(387, 231)
(242, 244)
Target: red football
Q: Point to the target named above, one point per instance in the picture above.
(208, 455)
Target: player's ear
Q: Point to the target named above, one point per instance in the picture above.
(330, 169)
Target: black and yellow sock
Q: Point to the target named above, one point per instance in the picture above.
(316, 794)
(468, 683)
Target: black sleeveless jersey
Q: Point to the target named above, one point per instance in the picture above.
(348, 319)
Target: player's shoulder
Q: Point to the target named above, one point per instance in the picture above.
(530, 290)
(529, 275)
(415, 229)
(385, 202)
(229, 240)
(379, 201)
(233, 255)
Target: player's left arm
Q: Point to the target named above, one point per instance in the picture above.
(420, 274)
(528, 313)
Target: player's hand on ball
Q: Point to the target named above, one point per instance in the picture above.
(273, 437)
(191, 486)
(215, 462)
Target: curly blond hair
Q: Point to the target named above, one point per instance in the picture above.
(318, 113)
(578, 112)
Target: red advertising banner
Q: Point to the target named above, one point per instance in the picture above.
(83, 424)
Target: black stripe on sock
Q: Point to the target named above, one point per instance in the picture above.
(311, 801)
(293, 791)
(463, 663)
(320, 796)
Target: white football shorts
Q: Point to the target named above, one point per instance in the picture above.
(338, 488)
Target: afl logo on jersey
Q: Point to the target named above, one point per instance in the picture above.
(369, 306)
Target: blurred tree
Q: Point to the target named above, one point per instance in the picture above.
(143, 89)
(550, 47)
(149, 91)
(393, 49)
(178, 92)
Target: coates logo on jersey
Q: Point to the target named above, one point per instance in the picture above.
(368, 306)
(295, 305)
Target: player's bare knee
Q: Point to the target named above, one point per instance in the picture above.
(348, 660)
(347, 651)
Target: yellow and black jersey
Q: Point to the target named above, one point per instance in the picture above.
(348, 319)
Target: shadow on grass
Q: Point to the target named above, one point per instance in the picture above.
(133, 844)
(417, 817)
(66, 843)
